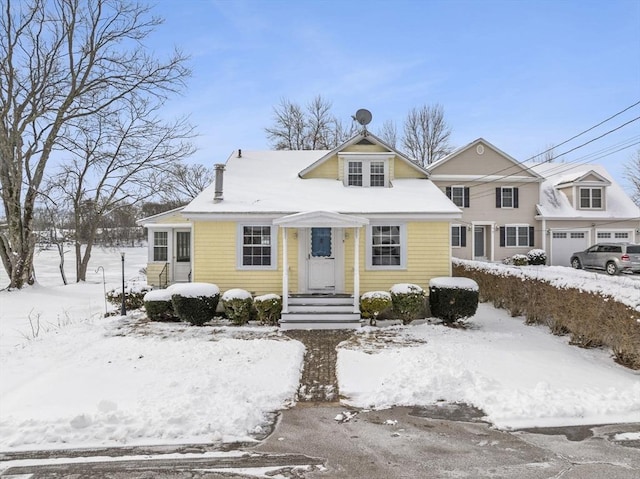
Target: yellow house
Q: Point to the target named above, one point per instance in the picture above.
(317, 227)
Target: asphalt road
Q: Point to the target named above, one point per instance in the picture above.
(309, 442)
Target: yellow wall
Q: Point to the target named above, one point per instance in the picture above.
(402, 170)
(427, 257)
(328, 169)
(366, 149)
(174, 218)
(153, 273)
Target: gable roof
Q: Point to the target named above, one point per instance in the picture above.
(554, 204)
(373, 140)
(437, 164)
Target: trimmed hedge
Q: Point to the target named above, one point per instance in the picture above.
(537, 257)
(195, 303)
(238, 306)
(453, 299)
(133, 296)
(590, 319)
(407, 301)
(158, 305)
(268, 308)
(372, 303)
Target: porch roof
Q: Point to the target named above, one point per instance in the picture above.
(308, 219)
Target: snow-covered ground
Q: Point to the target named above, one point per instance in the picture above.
(81, 380)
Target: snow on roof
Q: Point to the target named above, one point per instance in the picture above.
(268, 182)
(555, 204)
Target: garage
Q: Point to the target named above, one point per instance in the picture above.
(617, 236)
(566, 242)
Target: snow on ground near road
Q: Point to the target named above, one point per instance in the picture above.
(521, 376)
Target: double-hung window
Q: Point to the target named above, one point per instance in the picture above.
(506, 197)
(366, 172)
(256, 249)
(386, 247)
(459, 195)
(513, 236)
(591, 198)
(354, 174)
(458, 236)
(160, 245)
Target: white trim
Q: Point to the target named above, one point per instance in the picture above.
(516, 225)
(578, 198)
(403, 247)
(513, 197)
(285, 272)
(273, 216)
(365, 159)
(239, 246)
(318, 219)
(485, 178)
(155, 226)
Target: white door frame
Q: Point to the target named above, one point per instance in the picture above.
(181, 271)
(489, 243)
(304, 253)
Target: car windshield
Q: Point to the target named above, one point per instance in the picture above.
(635, 249)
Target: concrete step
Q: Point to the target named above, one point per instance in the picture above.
(320, 308)
(319, 320)
(320, 299)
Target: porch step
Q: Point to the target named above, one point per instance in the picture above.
(320, 312)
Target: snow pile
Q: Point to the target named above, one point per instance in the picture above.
(376, 295)
(266, 297)
(453, 283)
(520, 375)
(158, 295)
(194, 290)
(236, 293)
(406, 288)
(620, 288)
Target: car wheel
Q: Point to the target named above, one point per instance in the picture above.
(575, 263)
(611, 268)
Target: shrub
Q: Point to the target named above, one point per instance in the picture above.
(407, 301)
(194, 303)
(268, 308)
(537, 257)
(519, 260)
(453, 299)
(237, 305)
(373, 303)
(133, 295)
(158, 305)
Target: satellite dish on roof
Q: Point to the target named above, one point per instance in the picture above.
(363, 117)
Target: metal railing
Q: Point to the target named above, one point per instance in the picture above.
(163, 277)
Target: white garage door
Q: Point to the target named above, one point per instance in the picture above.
(564, 244)
(614, 236)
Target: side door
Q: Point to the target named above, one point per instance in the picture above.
(182, 256)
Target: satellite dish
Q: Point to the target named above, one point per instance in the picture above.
(363, 117)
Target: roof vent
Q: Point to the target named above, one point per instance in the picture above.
(239, 153)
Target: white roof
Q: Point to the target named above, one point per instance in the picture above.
(268, 182)
(555, 204)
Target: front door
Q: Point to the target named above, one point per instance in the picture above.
(182, 256)
(321, 260)
(478, 241)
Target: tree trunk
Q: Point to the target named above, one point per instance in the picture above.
(60, 247)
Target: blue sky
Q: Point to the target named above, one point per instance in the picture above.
(524, 75)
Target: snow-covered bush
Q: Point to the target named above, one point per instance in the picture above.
(238, 305)
(453, 299)
(194, 303)
(133, 295)
(519, 260)
(268, 308)
(537, 257)
(407, 301)
(372, 303)
(158, 305)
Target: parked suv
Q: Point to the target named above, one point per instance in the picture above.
(611, 257)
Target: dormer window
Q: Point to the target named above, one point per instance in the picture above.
(590, 198)
(366, 171)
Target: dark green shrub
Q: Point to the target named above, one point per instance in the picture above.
(158, 305)
(194, 303)
(407, 301)
(373, 303)
(519, 260)
(453, 299)
(237, 305)
(133, 296)
(268, 308)
(537, 257)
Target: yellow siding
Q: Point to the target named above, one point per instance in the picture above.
(215, 260)
(153, 273)
(428, 256)
(366, 149)
(328, 169)
(174, 218)
(403, 170)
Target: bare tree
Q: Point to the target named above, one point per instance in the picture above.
(311, 128)
(62, 62)
(181, 183)
(632, 174)
(389, 133)
(426, 134)
(548, 155)
(112, 157)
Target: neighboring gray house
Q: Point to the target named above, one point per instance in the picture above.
(581, 205)
(509, 207)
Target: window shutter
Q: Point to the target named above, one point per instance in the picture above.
(503, 236)
(463, 236)
(448, 192)
(515, 197)
(466, 197)
(498, 197)
(532, 232)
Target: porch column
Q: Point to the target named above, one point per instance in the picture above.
(285, 273)
(356, 269)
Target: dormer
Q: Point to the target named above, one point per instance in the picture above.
(586, 192)
(366, 169)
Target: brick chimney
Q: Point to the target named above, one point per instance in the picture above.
(219, 171)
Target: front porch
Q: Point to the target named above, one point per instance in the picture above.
(320, 311)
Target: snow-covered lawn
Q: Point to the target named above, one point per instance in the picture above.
(82, 380)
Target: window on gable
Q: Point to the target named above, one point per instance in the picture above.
(367, 173)
(257, 249)
(386, 248)
(590, 198)
(459, 195)
(160, 245)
